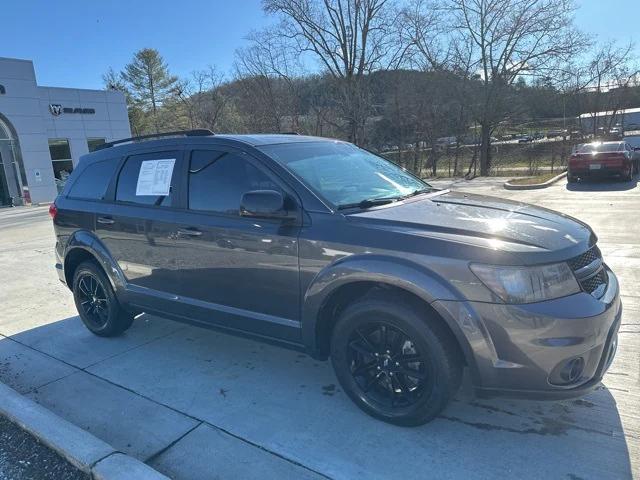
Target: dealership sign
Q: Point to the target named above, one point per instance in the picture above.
(56, 109)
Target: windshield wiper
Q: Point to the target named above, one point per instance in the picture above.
(369, 202)
(418, 192)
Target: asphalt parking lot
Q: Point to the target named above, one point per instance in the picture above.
(194, 403)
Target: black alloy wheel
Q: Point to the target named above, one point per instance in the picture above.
(96, 301)
(395, 359)
(387, 366)
(93, 300)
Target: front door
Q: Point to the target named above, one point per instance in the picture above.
(238, 271)
(139, 228)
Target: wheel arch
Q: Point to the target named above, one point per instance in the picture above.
(340, 284)
(84, 245)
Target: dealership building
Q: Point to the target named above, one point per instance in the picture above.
(45, 130)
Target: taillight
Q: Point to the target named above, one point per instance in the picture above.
(53, 211)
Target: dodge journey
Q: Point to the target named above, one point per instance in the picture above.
(324, 247)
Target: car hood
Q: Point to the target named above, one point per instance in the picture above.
(485, 221)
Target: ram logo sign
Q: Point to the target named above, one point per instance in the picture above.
(55, 109)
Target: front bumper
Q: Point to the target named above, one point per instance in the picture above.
(524, 350)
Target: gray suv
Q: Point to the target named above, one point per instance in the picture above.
(320, 246)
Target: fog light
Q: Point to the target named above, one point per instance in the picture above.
(572, 370)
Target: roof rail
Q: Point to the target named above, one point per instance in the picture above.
(203, 132)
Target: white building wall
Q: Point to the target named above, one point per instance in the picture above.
(26, 106)
(21, 106)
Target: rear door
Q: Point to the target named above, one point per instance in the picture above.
(237, 271)
(139, 227)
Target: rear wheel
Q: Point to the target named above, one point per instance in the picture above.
(629, 176)
(393, 362)
(96, 302)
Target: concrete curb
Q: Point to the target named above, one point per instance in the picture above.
(535, 186)
(88, 453)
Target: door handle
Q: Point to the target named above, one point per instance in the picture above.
(191, 232)
(106, 220)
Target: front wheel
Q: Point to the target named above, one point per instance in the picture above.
(96, 302)
(395, 363)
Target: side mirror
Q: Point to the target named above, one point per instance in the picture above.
(264, 204)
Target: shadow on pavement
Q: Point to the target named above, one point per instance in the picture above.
(290, 404)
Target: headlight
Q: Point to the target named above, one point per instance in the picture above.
(528, 284)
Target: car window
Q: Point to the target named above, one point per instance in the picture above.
(93, 180)
(343, 173)
(217, 181)
(606, 147)
(157, 183)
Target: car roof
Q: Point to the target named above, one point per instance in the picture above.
(253, 140)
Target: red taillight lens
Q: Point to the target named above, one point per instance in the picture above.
(53, 211)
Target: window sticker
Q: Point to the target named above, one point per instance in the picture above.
(155, 177)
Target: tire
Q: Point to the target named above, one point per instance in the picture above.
(629, 176)
(408, 386)
(96, 302)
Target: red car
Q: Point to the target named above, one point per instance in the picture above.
(603, 159)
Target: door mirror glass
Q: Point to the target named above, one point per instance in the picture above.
(264, 204)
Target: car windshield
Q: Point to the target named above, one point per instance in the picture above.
(346, 175)
(601, 147)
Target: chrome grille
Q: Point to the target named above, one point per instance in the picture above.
(590, 272)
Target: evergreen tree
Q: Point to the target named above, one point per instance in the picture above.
(149, 82)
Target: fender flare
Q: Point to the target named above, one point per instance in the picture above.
(87, 241)
(393, 271)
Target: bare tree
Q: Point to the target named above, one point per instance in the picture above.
(349, 38)
(270, 79)
(602, 83)
(199, 98)
(424, 34)
(512, 39)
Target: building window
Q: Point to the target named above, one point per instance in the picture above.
(59, 149)
(94, 143)
(60, 152)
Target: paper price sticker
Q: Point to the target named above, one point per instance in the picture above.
(155, 177)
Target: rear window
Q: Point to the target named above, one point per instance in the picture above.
(601, 147)
(158, 175)
(93, 180)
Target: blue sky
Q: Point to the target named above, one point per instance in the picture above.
(73, 42)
